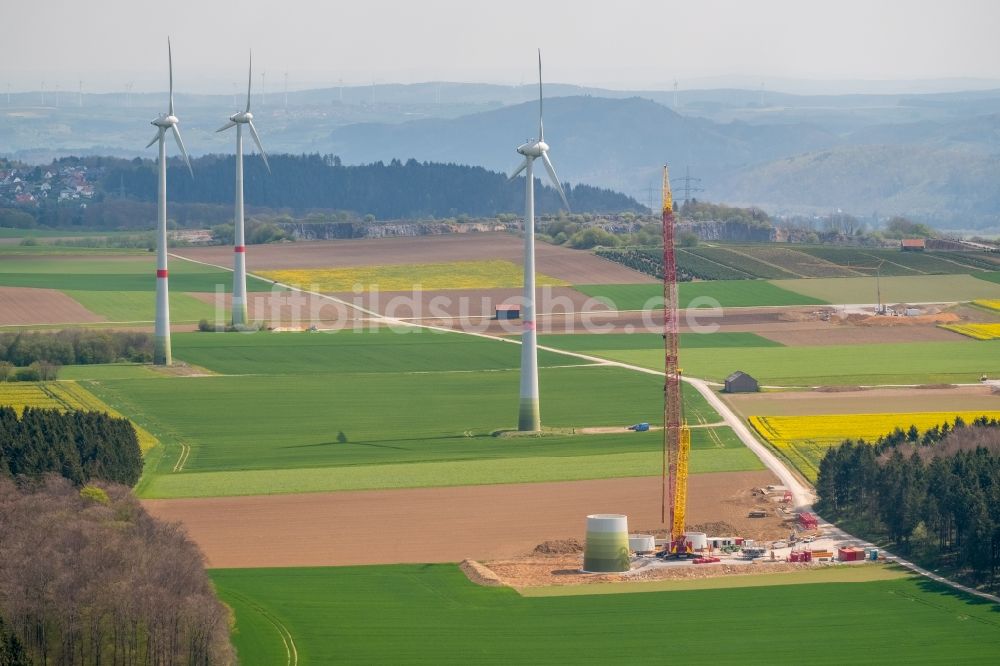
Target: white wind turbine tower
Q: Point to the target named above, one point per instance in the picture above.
(529, 417)
(166, 121)
(238, 120)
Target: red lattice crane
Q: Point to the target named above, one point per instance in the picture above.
(676, 435)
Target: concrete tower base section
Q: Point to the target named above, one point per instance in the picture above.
(607, 544)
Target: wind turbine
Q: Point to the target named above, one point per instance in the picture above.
(166, 121)
(238, 120)
(529, 418)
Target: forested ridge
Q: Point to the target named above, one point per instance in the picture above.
(396, 190)
(933, 495)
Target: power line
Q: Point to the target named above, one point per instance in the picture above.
(688, 188)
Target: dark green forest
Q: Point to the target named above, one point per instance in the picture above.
(396, 190)
(79, 446)
(934, 496)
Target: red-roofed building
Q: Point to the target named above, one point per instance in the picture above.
(913, 245)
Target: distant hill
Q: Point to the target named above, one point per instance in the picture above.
(618, 143)
(748, 147)
(950, 186)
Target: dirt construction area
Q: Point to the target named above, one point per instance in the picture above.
(444, 524)
(573, 266)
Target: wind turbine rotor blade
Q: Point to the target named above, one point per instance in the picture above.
(249, 81)
(226, 126)
(156, 138)
(256, 139)
(180, 144)
(541, 127)
(518, 170)
(170, 61)
(555, 179)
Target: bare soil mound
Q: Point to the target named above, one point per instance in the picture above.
(558, 547)
(479, 574)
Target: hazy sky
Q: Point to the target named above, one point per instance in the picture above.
(612, 43)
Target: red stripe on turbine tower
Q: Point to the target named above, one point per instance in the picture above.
(161, 273)
(240, 248)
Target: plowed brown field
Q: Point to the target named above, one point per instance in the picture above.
(435, 524)
(21, 306)
(573, 266)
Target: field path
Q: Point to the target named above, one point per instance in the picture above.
(803, 496)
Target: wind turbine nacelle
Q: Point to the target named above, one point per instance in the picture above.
(165, 121)
(535, 149)
(241, 117)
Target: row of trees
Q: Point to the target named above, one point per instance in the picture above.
(936, 494)
(88, 577)
(79, 446)
(75, 347)
(702, 211)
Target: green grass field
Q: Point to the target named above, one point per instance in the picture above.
(431, 614)
(305, 412)
(128, 306)
(108, 371)
(393, 350)
(568, 458)
(587, 342)
(114, 273)
(911, 363)
(725, 293)
(993, 276)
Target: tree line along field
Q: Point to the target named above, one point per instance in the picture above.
(312, 411)
(432, 614)
(65, 396)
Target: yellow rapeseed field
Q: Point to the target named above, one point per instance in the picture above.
(62, 395)
(977, 331)
(804, 439)
(992, 304)
(405, 277)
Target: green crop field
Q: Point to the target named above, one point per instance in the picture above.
(108, 371)
(726, 293)
(397, 349)
(903, 289)
(115, 273)
(910, 363)
(989, 277)
(604, 341)
(302, 411)
(431, 614)
(134, 306)
(567, 458)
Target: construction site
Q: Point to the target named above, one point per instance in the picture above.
(781, 536)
